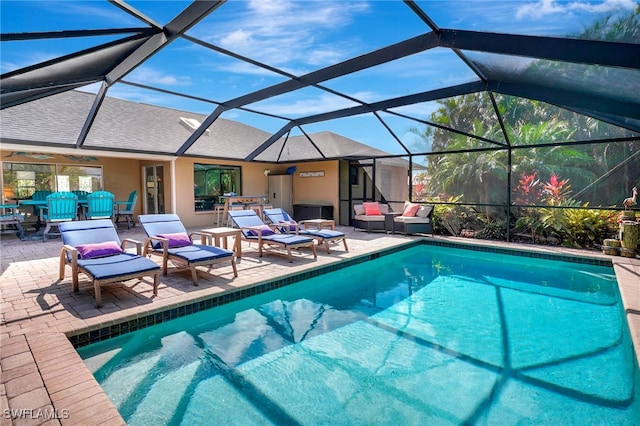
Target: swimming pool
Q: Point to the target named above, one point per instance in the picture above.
(428, 335)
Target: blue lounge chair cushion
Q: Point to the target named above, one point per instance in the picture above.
(199, 253)
(117, 266)
(88, 232)
(284, 239)
(324, 233)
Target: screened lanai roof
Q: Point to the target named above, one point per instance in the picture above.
(316, 75)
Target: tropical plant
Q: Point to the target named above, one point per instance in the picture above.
(448, 217)
(528, 190)
(586, 228)
(493, 230)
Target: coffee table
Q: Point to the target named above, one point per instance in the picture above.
(318, 223)
(219, 235)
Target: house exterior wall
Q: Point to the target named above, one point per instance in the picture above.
(306, 190)
(122, 175)
(322, 190)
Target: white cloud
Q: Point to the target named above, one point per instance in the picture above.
(238, 39)
(539, 9)
(281, 32)
(271, 7)
(303, 106)
(147, 75)
(542, 8)
(605, 6)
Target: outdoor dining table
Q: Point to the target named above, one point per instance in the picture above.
(43, 205)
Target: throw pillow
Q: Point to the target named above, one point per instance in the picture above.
(179, 239)
(266, 230)
(289, 225)
(410, 210)
(92, 251)
(358, 209)
(371, 209)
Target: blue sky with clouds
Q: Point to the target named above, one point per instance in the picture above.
(296, 37)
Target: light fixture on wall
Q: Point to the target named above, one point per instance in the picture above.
(266, 186)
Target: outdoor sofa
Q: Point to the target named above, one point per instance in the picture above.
(415, 218)
(370, 216)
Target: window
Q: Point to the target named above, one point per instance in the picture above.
(354, 174)
(21, 180)
(211, 181)
(83, 178)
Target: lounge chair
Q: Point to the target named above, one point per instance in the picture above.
(61, 207)
(124, 209)
(93, 248)
(168, 238)
(286, 224)
(256, 231)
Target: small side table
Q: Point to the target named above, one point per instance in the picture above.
(319, 223)
(221, 234)
(11, 216)
(389, 224)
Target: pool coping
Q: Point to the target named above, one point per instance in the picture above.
(73, 396)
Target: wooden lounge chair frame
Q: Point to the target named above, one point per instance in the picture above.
(323, 237)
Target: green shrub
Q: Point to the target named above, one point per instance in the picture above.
(588, 228)
(493, 230)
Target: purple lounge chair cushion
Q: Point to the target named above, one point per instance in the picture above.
(179, 239)
(95, 250)
(266, 230)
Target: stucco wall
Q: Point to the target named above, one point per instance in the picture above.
(312, 190)
(121, 176)
(317, 190)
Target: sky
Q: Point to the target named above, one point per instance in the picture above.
(296, 37)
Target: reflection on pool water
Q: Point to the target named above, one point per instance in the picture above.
(429, 335)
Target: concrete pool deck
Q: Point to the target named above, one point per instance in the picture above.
(44, 381)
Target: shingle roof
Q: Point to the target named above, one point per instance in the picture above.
(137, 127)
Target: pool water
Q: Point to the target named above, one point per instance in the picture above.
(429, 335)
